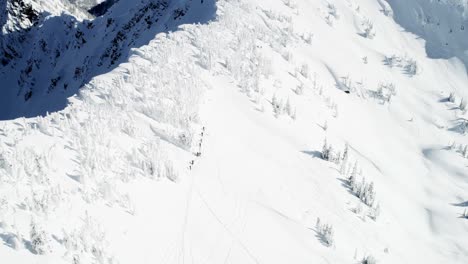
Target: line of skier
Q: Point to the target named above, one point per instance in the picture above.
(198, 153)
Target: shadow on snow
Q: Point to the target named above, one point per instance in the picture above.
(42, 66)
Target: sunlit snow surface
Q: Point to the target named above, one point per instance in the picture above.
(115, 177)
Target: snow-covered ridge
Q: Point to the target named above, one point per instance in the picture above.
(442, 24)
(50, 58)
(133, 125)
(279, 132)
(22, 14)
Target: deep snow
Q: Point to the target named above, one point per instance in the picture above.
(256, 92)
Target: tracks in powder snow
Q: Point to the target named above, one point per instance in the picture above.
(213, 207)
(240, 208)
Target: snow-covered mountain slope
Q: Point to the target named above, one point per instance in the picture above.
(46, 63)
(206, 145)
(442, 24)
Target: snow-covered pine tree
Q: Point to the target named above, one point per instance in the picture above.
(343, 168)
(374, 212)
(411, 67)
(352, 176)
(368, 260)
(287, 108)
(325, 151)
(325, 232)
(76, 259)
(369, 195)
(462, 105)
(368, 29)
(344, 160)
(299, 89)
(335, 158)
(39, 241)
(451, 97)
(305, 70)
(277, 106)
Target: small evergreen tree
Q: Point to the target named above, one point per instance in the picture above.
(368, 260)
(326, 151)
(287, 108)
(352, 176)
(76, 259)
(277, 105)
(451, 97)
(343, 168)
(374, 212)
(368, 29)
(462, 104)
(39, 241)
(344, 159)
(335, 158)
(305, 70)
(325, 232)
(411, 67)
(299, 89)
(364, 191)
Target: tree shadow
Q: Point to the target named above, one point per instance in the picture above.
(313, 153)
(320, 237)
(13, 241)
(345, 184)
(45, 64)
(8, 239)
(461, 126)
(462, 204)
